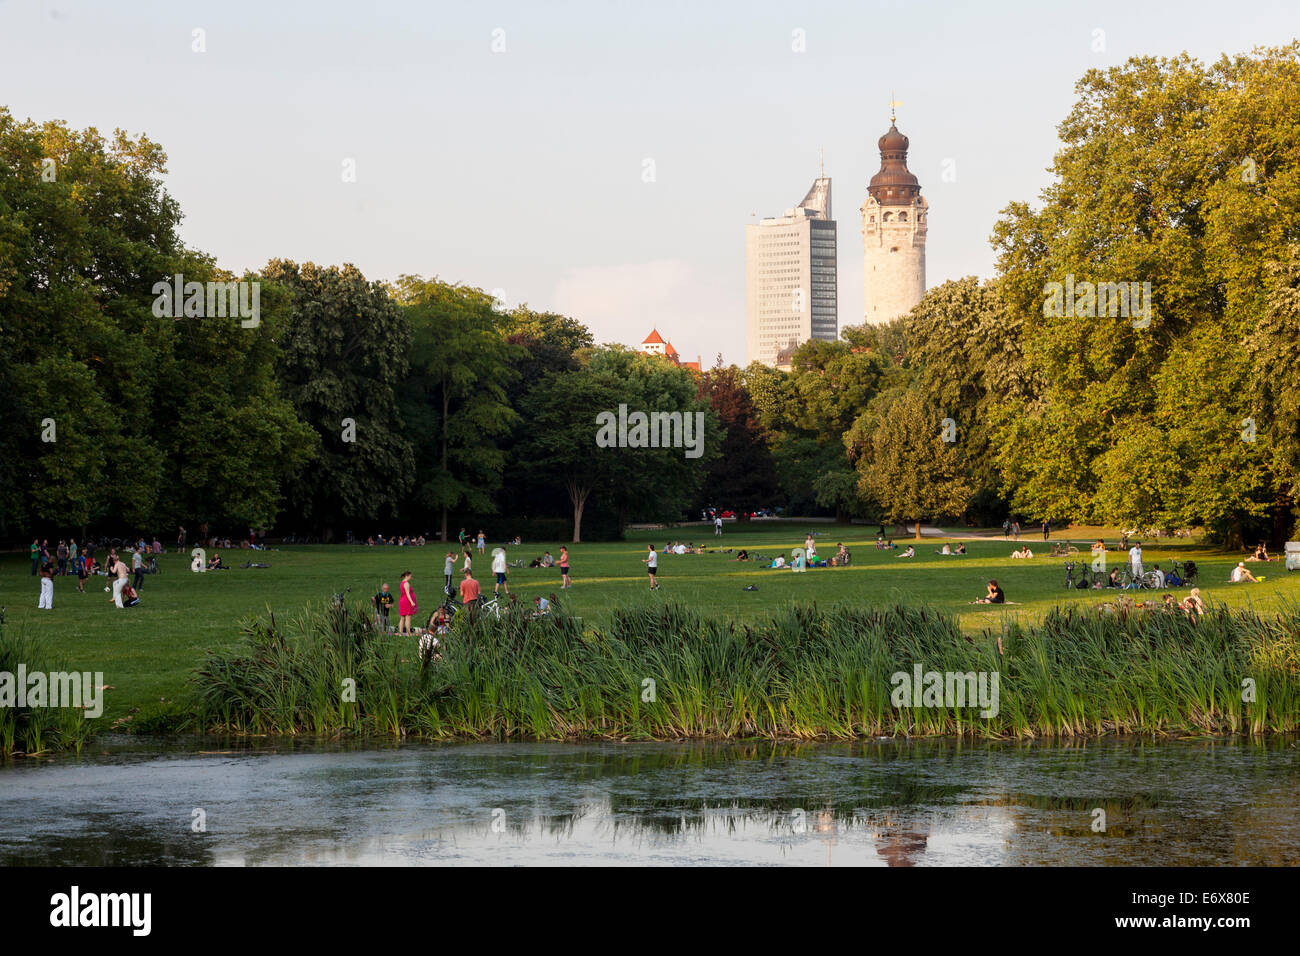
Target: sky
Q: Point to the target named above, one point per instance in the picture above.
(595, 159)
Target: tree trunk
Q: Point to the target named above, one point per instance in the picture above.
(578, 495)
(918, 530)
(445, 406)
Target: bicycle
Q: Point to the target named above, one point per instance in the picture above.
(1146, 580)
(1063, 549)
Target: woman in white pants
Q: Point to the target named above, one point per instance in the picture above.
(46, 602)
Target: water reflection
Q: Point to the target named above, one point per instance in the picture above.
(885, 803)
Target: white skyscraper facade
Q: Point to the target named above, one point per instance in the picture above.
(790, 278)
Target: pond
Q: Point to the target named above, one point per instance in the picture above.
(885, 803)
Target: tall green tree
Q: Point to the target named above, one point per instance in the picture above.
(456, 399)
(903, 461)
(345, 351)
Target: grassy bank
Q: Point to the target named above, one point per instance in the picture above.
(800, 671)
(147, 653)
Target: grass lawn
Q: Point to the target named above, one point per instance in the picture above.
(147, 652)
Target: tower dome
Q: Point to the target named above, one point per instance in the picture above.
(894, 185)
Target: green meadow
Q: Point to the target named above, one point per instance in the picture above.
(148, 653)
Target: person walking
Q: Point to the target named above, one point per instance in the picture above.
(46, 602)
(1047, 530)
(499, 569)
(36, 557)
(1015, 530)
(1006, 529)
(564, 568)
(651, 561)
(462, 537)
(406, 604)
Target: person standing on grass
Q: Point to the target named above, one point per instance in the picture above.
(383, 602)
(46, 602)
(461, 537)
(36, 557)
(564, 568)
(469, 589)
(448, 569)
(61, 552)
(469, 560)
(180, 539)
(717, 524)
(83, 572)
(137, 568)
(1015, 530)
(482, 541)
(1006, 529)
(1047, 530)
(116, 566)
(651, 561)
(406, 605)
(499, 569)
(1135, 559)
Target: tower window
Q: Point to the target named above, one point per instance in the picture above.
(902, 217)
(894, 249)
(887, 216)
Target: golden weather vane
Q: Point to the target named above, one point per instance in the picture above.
(893, 103)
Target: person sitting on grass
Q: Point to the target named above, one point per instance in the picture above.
(1171, 603)
(1115, 580)
(742, 556)
(541, 606)
(440, 620)
(214, 562)
(1160, 577)
(841, 557)
(961, 549)
(909, 553)
(1261, 554)
(536, 563)
(1241, 574)
(945, 549)
(778, 561)
(1193, 604)
(993, 596)
(1023, 553)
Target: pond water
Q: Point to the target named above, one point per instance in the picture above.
(882, 803)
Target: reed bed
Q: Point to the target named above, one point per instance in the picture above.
(804, 672)
(30, 731)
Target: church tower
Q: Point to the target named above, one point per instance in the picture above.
(893, 232)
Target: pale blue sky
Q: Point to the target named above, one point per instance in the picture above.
(522, 170)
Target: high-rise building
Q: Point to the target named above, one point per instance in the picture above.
(790, 284)
(893, 234)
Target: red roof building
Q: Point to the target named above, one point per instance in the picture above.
(656, 344)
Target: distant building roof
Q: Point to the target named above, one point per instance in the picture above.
(653, 338)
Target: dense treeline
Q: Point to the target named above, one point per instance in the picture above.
(417, 405)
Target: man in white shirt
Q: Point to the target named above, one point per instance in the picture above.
(717, 524)
(1160, 577)
(499, 569)
(1135, 559)
(1240, 574)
